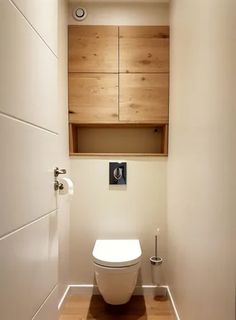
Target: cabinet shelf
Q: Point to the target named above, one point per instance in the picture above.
(131, 140)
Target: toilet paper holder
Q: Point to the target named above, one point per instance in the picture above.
(58, 171)
(57, 184)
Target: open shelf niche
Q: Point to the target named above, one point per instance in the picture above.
(136, 140)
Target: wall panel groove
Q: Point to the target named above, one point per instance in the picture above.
(29, 9)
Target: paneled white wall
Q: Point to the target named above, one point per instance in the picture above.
(49, 309)
(28, 157)
(28, 74)
(32, 142)
(28, 268)
(42, 15)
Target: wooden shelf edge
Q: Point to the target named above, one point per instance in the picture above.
(118, 154)
(119, 124)
(157, 121)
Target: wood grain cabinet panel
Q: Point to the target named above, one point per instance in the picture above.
(144, 97)
(118, 90)
(144, 49)
(93, 49)
(93, 98)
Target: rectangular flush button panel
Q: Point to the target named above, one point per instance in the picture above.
(117, 172)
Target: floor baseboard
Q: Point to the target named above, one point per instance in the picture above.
(150, 290)
(63, 297)
(172, 303)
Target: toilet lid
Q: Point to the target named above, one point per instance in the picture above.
(117, 253)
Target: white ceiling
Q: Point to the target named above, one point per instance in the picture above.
(129, 1)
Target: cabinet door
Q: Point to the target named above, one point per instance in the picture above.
(144, 49)
(144, 97)
(93, 97)
(93, 49)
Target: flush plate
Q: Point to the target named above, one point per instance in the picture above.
(117, 173)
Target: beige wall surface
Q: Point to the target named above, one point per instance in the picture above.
(202, 158)
(100, 211)
(118, 13)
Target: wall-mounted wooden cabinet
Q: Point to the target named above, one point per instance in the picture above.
(93, 49)
(93, 97)
(144, 49)
(144, 97)
(119, 77)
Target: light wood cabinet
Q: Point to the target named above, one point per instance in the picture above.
(93, 98)
(144, 49)
(118, 90)
(144, 97)
(93, 49)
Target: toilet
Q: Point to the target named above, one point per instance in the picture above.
(116, 264)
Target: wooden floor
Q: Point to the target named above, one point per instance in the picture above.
(78, 307)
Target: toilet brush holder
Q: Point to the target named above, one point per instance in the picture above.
(156, 265)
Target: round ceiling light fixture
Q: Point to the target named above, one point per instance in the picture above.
(79, 14)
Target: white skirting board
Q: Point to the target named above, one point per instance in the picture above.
(89, 289)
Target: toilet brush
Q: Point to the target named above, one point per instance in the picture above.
(156, 262)
(155, 259)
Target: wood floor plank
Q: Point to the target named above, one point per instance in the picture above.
(80, 307)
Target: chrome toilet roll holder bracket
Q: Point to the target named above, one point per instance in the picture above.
(58, 185)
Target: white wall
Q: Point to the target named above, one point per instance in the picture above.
(111, 212)
(118, 13)
(99, 211)
(63, 159)
(202, 157)
(30, 136)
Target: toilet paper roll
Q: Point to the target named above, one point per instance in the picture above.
(68, 187)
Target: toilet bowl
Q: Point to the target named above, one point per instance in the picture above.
(116, 264)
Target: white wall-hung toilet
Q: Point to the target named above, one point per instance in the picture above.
(116, 264)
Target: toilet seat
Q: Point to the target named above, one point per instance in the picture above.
(117, 253)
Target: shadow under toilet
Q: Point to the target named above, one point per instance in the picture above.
(133, 310)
